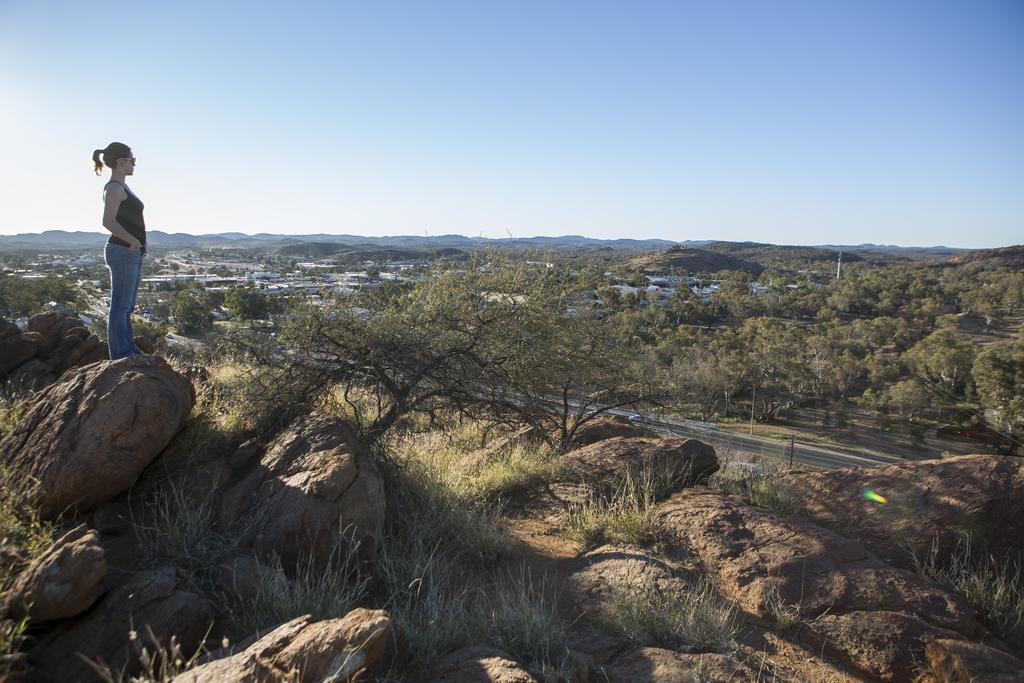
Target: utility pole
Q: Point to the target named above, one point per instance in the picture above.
(792, 449)
(753, 393)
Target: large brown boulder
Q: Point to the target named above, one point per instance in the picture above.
(480, 664)
(930, 500)
(957, 661)
(85, 439)
(315, 486)
(606, 427)
(8, 328)
(874, 617)
(307, 651)
(54, 327)
(670, 463)
(63, 581)
(16, 349)
(758, 557)
(154, 601)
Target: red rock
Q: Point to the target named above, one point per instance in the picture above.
(873, 616)
(607, 427)
(957, 661)
(927, 500)
(63, 581)
(86, 438)
(149, 601)
(480, 664)
(16, 350)
(314, 486)
(307, 651)
(656, 665)
(673, 463)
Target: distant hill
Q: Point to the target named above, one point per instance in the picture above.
(891, 250)
(766, 254)
(64, 239)
(1004, 257)
(365, 252)
(752, 252)
(680, 260)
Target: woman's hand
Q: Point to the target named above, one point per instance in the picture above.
(134, 244)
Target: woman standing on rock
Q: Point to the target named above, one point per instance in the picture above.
(122, 216)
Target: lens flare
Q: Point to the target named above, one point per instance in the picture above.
(876, 497)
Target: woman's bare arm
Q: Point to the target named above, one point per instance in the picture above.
(112, 199)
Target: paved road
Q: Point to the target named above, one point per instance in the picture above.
(748, 446)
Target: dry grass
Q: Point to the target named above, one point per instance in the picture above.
(12, 407)
(180, 530)
(439, 566)
(487, 483)
(159, 662)
(628, 515)
(786, 615)
(995, 586)
(692, 620)
(759, 483)
(323, 590)
(12, 660)
(23, 537)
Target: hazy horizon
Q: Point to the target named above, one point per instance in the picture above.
(506, 237)
(799, 123)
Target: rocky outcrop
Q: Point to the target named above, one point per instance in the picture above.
(307, 651)
(670, 463)
(52, 344)
(63, 581)
(980, 495)
(15, 348)
(655, 665)
(609, 571)
(606, 427)
(85, 439)
(156, 602)
(956, 661)
(875, 617)
(480, 664)
(314, 486)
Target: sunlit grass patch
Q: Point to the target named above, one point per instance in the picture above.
(627, 515)
(13, 400)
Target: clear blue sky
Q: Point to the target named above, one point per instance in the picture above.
(786, 122)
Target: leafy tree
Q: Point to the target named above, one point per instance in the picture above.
(246, 303)
(909, 398)
(702, 381)
(943, 357)
(999, 377)
(22, 296)
(192, 311)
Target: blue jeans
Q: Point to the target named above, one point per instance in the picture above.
(125, 274)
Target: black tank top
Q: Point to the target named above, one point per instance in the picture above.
(129, 216)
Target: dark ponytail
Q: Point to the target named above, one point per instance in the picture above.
(111, 153)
